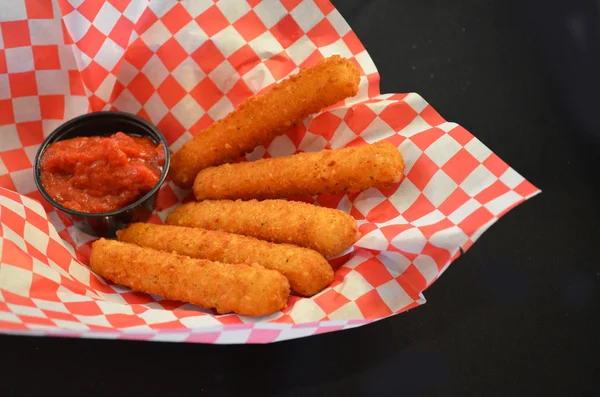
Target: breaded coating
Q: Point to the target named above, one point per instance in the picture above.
(306, 270)
(249, 290)
(328, 231)
(261, 118)
(304, 174)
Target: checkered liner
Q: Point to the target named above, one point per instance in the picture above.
(183, 65)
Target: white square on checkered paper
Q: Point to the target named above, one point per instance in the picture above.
(478, 180)
(368, 199)
(349, 311)
(394, 296)
(105, 88)
(191, 37)
(258, 78)
(266, 46)
(26, 310)
(301, 49)
(462, 212)
(353, 286)
(221, 109)
(270, 12)
(443, 149)
(307, 15)
(439, 188)
(500, 204)
(77, 25)
(281, 146)
(374, 240)
(153, 316)
(155, 71)
(410, 240)
(187, 111)
(188, 74)
(15, 279)
(427, 267)
(14, 12)
(44, 270)
(10, 137)
(228, 41)
(312, 143)
(127, 73)
(432, 218)
(45, 31)
(377, 131)
(4, 87)
(197, 7)
(10, 317)
(511, 178)
(52, 82)
(99, 320)
(224, 76)
(160, 7)
(478, 149)
(109, 54)
(394, 262)
(233, 9)
(26, 109)
(19, 59)
(338, 22)
(338, 47)
(447, 126)
(342, 136)
(126, 102)
(156, 35)
(107, 18)
(405, 196)
(451, 239)
(155, 108)
(410, 152)
(305, 311)
(366, 62)
(23, 179)
(416, 102)
(417, 125)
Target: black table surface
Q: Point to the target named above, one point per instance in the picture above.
(515, 316)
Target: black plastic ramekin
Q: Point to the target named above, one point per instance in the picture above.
(105, 224)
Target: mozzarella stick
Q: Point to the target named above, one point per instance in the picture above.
(305, 174)
(325, 230)
(306, 270)
(261, 118)
(249, 290)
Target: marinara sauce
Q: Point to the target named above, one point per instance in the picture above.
(101, 174)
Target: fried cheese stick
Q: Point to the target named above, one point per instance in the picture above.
(304, 174)
(263, 117)
(249, 290)
(306, 270)
(328, 231)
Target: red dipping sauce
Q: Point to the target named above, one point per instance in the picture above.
(101, 174)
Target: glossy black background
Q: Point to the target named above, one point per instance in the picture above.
(517, 315)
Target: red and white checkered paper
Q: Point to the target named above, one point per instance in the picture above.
(183, 65)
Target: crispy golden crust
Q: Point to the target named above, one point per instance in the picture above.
(304, 174)
(325, 230)
(263, 117)
(306, 270)
(243, 289)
